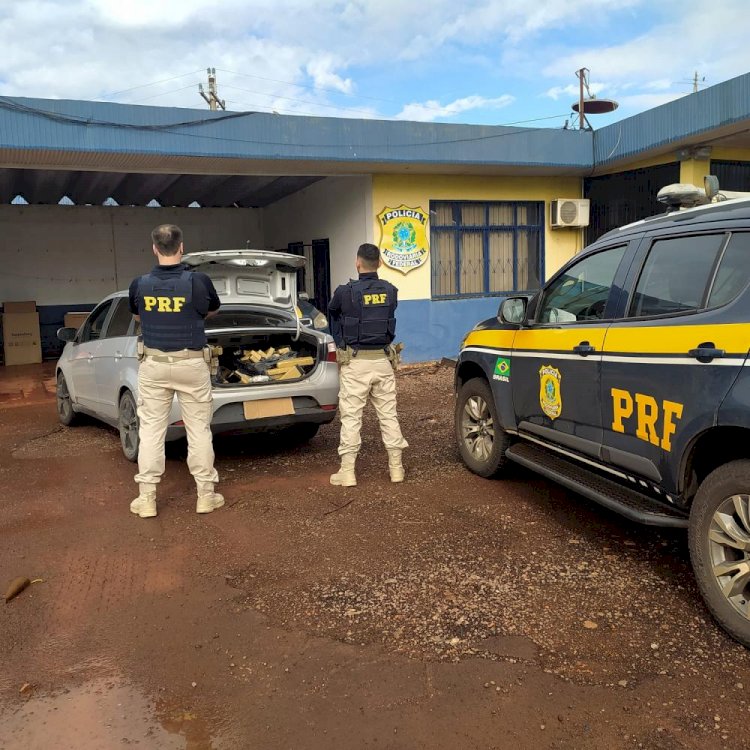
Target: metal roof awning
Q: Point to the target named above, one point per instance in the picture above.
(49, 186)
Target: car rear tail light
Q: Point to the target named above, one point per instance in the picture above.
(328, 407)
(178, 423)
(331, 356)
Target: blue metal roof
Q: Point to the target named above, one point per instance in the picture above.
(689, 118)
(101, 127)
(86, 150)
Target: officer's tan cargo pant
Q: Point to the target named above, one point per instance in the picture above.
(361, 378)
(158, 381)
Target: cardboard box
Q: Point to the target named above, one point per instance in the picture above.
(19, 307)
(75, 319)
(269, 407)
(21, 340)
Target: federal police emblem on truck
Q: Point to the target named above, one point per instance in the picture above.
(550, 397)
(404, 243)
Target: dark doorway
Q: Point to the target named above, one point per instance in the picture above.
(733, 175)
(618, 199)
(321, 260)
(298, 248)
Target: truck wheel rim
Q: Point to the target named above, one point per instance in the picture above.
(128, 425)
(477, 428)
(729, 549)
(63, 398)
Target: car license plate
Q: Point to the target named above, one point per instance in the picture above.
(268, 407)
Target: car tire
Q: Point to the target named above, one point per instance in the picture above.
(65, 412)
(481, 440)
(721, 511)
(127, 423)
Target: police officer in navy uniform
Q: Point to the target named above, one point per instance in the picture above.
(362, 316)
(172, 304)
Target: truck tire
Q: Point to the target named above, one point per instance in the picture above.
(481, 440)
(719, 530)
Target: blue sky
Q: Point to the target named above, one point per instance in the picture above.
(478, 61)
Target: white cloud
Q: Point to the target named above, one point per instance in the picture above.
(143, 13)
(640, 102)
(315, 56)
(321, 70)
(708, 37)
(662, 84)
(571, 91)
(433, 110)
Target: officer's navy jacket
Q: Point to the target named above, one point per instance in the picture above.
(172, 302)
(362, 313)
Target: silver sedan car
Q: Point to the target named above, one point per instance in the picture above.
(273, 372)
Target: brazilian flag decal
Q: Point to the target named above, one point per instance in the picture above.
(502, 369)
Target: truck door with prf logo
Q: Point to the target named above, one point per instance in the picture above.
(675, 352)
(556, 358)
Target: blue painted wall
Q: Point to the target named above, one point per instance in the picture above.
(432, 329)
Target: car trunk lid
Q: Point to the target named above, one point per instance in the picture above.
(258, 278)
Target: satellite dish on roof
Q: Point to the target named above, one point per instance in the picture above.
(596, 106)
(587, 103)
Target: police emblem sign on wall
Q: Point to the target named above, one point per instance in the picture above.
(404, 242)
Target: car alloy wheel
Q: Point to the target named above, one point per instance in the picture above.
(480, 437)
(478, 428)
(729, 548)
(128, 425)
(65, 411)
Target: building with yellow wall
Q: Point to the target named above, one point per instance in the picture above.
(82, 183)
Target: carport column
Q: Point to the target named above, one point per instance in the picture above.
(693, 170)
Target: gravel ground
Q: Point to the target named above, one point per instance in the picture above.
(449, 611)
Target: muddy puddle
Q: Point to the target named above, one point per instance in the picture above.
(103, 713)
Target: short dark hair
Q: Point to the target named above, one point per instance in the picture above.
(370, 254)
(167, 238)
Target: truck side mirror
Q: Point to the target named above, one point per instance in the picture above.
(513, 310)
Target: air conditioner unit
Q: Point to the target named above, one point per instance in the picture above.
(569, 212)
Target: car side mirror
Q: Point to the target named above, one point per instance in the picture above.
(67, 334)
(513, 310)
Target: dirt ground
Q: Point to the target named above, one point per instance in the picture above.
(447, 612)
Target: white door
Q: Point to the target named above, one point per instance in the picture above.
(85, 351)
(114, 346)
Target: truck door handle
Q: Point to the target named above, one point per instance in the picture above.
(706, 351)
(584, 349)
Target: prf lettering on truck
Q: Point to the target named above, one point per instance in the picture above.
(648, 415)
(164, 304)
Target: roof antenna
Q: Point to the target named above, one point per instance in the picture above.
(588, 103)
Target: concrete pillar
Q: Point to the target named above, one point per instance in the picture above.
(692, 171)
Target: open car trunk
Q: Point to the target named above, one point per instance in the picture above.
(256, 332)
(251, 357)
